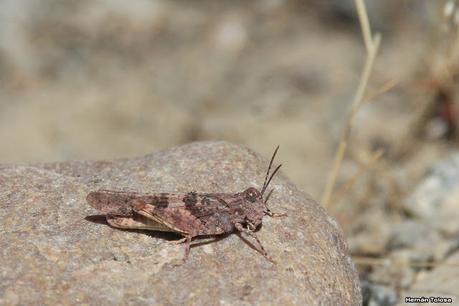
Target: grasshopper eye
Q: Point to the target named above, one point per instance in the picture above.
(251, 195)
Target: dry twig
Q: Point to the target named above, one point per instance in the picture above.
(382, 90)
(363, 168)
(372, 45)
(371, 261)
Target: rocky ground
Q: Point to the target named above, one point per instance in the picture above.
(107, 79)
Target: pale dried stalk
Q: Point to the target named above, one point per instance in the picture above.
(383, 89)
(348, 185)
(364, 24)
(372, 46)
(370, 261)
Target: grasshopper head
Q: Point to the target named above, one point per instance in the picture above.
(254, 208)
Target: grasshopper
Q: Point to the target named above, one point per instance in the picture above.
(191, 214)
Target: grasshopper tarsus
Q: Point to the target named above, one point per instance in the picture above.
(187, 248)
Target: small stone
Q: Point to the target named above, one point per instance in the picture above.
(407, 234)
(377, 295)
(398, 272)
(434, 201)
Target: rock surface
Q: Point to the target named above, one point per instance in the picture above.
(53, 253)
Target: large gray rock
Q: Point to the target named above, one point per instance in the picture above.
(52, 253)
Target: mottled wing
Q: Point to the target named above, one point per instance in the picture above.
(192, 213)
(116, 202)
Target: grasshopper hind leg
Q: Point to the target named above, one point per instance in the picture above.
(124, 222)
(136, 222)
(178, 241)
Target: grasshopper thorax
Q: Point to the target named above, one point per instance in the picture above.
(253, 207)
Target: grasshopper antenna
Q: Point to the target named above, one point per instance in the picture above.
(270, 178)
(268, 196)
(267, 181)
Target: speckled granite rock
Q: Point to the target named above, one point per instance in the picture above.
(52, 253)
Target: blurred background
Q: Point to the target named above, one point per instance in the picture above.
(112, 78)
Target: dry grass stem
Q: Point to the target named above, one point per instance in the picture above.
(370, 261)
(364, 24)
(389, 85)
(372, 46)
(363, 168)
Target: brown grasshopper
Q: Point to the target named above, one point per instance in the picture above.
(191, 214)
